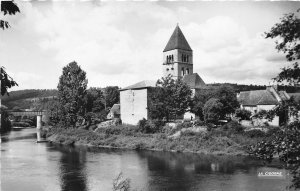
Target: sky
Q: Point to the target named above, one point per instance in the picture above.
(121, 43)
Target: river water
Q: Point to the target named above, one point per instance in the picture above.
(30, 166)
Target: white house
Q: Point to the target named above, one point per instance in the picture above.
(257, 100)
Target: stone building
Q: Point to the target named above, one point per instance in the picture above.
(177, 62)
(257, 100)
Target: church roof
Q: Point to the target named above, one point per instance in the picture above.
(194, 81)
(177, 41)
(141, 85)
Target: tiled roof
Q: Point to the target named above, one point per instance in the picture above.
(177, 41)
(257, 97)
(194, 81)
(115, 109)
(141, 85)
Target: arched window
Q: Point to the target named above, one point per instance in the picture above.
(182, 71)
(187, 71)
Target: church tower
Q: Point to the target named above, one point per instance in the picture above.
(177, 56)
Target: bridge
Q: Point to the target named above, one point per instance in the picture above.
(38, 114)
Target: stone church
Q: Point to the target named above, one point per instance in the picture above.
(177, 62)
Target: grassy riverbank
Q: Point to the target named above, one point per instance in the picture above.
(216, 141)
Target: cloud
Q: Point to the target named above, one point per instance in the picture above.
(121, 43)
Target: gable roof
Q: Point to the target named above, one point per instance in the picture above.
(141, 85)
(194, 81)
(258, 97)
(177, 41)
(115, 109)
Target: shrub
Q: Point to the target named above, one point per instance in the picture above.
(233, 126)
(150, 126)
(185, 124)
(243, 114)
(273, 131)
(199, 123)
(255, 133)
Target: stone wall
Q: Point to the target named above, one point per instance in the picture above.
(133, 106)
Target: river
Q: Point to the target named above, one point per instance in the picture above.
(30, 166)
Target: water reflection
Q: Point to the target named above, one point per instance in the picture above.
(65, 168)
(72, 170)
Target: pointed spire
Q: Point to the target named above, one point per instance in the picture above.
(177, 41)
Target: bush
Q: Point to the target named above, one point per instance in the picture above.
(150, 126)
(255, 133)
(185, 124)
(233, 126)
(273, 131)
(243, 114)
(199, 123)
(117, 130)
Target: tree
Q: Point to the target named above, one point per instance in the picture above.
(170, 98)
(224, 93)
(288, 31)
(285, 143)
(228, 98)
(94, 100)
(6, 82)
(212, 110)
(8, 7)
(111, 96)
(243, 114)
(71, 94)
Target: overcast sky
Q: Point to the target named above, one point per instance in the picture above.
(121, 43)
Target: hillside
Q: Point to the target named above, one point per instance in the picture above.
(23, 99)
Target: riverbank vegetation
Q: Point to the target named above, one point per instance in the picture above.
(228, 139)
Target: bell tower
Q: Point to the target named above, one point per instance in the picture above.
(177, 56)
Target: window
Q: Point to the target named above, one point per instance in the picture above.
(187, 58)
(187, 71)
(172, 58)
(182, 71)
(167, 69)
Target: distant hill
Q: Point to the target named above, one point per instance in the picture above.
(23, 99)
(241, 87)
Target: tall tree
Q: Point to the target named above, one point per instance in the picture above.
(286, 143)
(8, 7)
(170, 99)
(71, 94)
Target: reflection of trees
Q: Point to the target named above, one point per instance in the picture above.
(72, 169)
(180, 171)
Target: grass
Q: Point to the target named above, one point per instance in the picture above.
(125, 136)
